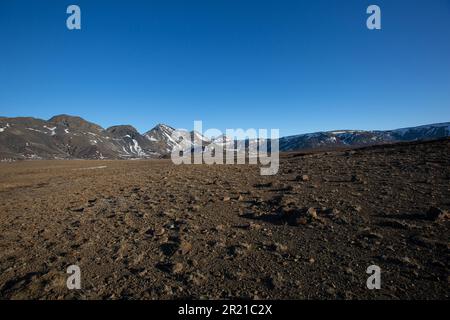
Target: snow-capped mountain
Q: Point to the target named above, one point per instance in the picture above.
(422, 132)
(67, 137)
(363, 138)
(70, 137)
(163, 139)
(133, 144)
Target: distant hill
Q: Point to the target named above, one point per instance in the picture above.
(71, 137)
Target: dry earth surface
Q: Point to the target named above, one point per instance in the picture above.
(151, 230)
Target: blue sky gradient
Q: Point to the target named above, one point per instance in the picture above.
(300, 66)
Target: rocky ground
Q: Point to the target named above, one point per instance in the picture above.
(152, 230)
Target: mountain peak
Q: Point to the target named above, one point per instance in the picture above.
(163, 127)
(124, 127)
(74, 122)
(160, 128)
(65, 117)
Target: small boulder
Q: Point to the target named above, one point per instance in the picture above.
(303, 178)
(312, 212)
(185, 247)
(159, 232)
(435, 213)
(176, 268)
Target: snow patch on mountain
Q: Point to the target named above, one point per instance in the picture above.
(137, 148)
(52, 130)
(2, 129)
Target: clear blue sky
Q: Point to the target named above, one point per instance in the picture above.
(300, 66)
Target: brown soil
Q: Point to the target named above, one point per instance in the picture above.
(153, 230)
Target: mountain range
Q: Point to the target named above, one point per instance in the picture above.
(71, 137)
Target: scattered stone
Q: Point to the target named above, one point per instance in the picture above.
(219, 227)
(185, 247)
(194, 208)
(194, 199)
(435, 213)
(331, 291)
(196, 278)
(226, 199)
(279, 247)
(254, 226)
(264, 185)
(331, 211)
(312, 212)
(176, 268)
(303, 178)
(300, 221)
(285, 187)
(238, 250)
(370, 234)
(349, 270)
(275, 282)
(250, 225)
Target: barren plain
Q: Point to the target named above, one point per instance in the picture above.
(149, 229)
